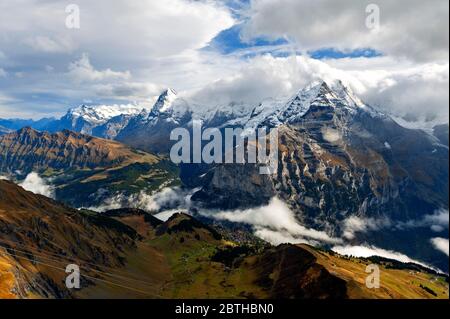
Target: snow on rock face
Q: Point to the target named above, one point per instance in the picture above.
(172, 109)
(318, 94)
(346, 94)
(165, 101)
(100, 114)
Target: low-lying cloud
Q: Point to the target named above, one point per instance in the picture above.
(166, 199)
(370, 251)
(34, 183)
(437, 222)
(275, 223)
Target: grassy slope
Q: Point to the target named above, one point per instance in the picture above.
(180, 266)
(394, 283)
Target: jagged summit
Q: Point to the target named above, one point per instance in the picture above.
(165, 100)
(317, 97)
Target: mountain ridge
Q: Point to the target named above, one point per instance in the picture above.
(179, 258)
(84, 171)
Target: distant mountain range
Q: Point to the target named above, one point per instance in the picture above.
(128, 122)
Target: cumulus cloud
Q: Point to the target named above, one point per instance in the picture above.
(369, 251)
(34, 183)
(441, 244)
(413, 29)
(275, 223)
(130, 46)
(82, 70)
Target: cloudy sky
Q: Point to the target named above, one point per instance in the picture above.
(221, 51)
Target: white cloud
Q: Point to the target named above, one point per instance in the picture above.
(274, 222)
(276, 237)
(131, 45)
(49, 45)
(414, 29)
(355, 224)
(155, 28)
(437, 222)
(331, 135)
(418, 92)
(130, 90)
(34, 183)
(369, 251)
(3, 73)
(165, 215)
(441, 244)
(82, 70)
(165, 199)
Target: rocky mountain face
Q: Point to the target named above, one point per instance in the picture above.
(28, 150)
(345, 149)
(83, 170)
(340, 158)
(151, 131)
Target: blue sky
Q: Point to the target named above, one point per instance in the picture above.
(230, 41)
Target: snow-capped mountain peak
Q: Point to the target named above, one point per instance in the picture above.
(98, 114)
(346, 94)
(165, 101)
(87, 118)
(317, 95)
